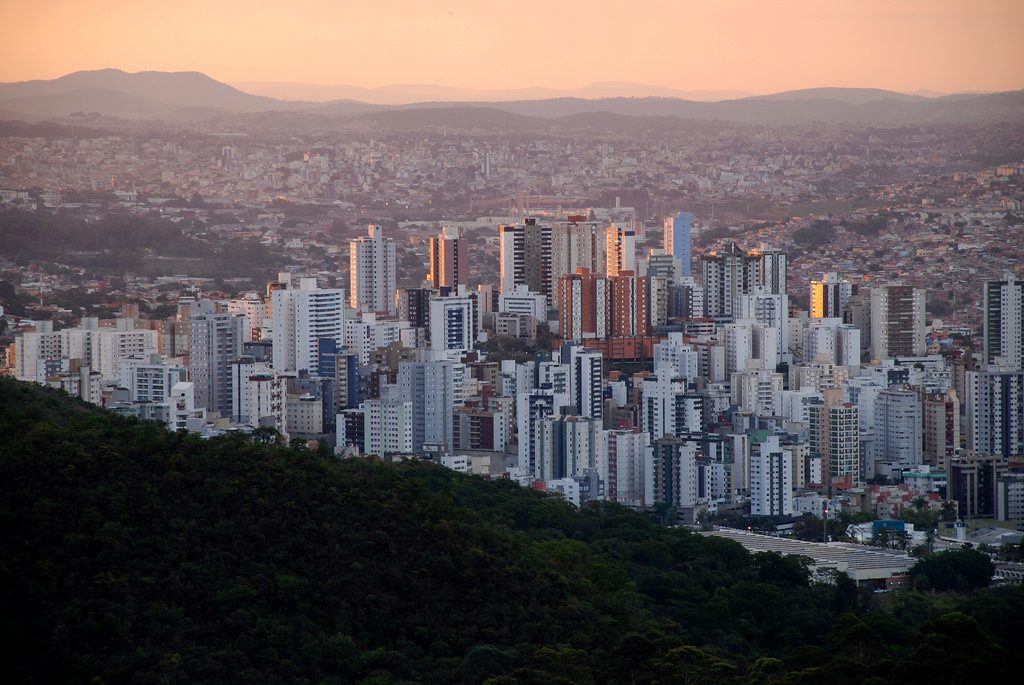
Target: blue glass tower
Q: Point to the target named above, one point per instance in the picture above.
(678, 237)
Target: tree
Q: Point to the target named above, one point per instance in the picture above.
(961, 570)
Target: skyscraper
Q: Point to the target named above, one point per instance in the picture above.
(452, 327)
(526, 257)
(301, 317)
(435, 389)
(725, 276)
(897, 321)
(898, 428)
(995, 412)
(678, 240)
(372, 273)
(1004, 339)
(769, 269)
(771, 479)
(576, 243)
(449, 260)
(620, 250)
(585, 380)
(834, 435)
(829, 296)
(214, 341)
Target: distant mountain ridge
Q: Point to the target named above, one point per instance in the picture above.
(405, 94)
(193, 96)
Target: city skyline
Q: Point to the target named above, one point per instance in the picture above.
(732, 46)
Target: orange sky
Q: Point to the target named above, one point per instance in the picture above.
(755, 46)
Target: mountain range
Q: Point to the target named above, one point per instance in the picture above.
(193, 96)
(402, 94)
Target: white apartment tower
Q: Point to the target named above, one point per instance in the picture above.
(372, 273)
(898, 428)
(771, 479)
(1004, 339)
(301, 317)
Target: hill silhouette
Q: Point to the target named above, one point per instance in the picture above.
(192, 96)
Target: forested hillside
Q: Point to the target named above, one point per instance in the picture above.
(131, 554)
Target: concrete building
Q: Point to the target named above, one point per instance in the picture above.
(678, 241)
(449, 260)
(387, 424)
(829, 296)
(624, 459)
(995, 412)
(372, 273)
(434, 389)
(771, 479)
(673, 478)
(214, 341)
(525, 253)
(620, 250)
(898, 428)
(452, 325)
(1002, 323)
(941, 426)
(302, 316)
(897, 321)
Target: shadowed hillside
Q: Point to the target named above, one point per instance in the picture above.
(131, 554)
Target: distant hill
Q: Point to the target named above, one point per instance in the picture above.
(405, 94)
(852, 96)
(167, 91)
(191, 96)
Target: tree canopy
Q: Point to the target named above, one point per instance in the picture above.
(134, 554)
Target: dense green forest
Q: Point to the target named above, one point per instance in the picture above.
(132, 554)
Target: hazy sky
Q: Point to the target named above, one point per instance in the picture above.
(755, 46)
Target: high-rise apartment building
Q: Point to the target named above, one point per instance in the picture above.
(829, 296)
(388, 423)
(941, 418)
(525, 251)
(667, 407)
(730, 272)
(897, 322)
(594, 306)
(372, 273)
(898, 428)
(725, 276)
(995, 412)
(679, 240)
(620, 250)
(302, 316)
(586, 375)
(623, 461)
(834, 435)
(673, 474)
(449, 260)
(771, 479)
(214, 341)
(435, 389)
(576, 244)
(452, 324)
(1002, 310)
(769, 269)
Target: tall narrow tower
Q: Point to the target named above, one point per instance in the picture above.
(372, 273)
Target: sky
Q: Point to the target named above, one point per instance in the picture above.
(755, 46)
